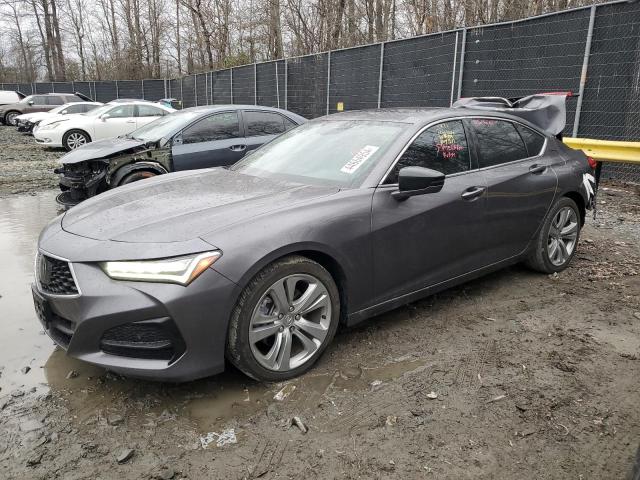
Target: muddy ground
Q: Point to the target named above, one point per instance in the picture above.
(515, 375)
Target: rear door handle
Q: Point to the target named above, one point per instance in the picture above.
(472, 193)
(237, 148)
(537, 168)
(131, 121)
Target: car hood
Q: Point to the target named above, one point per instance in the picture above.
(100, 149)
(11, 106)
(182, 206)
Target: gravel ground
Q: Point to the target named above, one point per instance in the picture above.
(24, 165)
(514, 375)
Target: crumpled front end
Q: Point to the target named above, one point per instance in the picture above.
(79, 181)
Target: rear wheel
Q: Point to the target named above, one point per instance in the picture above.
(74, 139)
(556, 242)
(10, 117)
(284, 319)
(135, 176)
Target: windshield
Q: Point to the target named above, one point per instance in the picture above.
(335, 153)
(164, 127)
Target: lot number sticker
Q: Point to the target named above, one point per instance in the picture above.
(359, 158)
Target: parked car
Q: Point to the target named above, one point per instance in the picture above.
(10, 96)
(27, 121)
(197, 137)
(340, 219)
(171, 102)
(110, 120)
(37, 103)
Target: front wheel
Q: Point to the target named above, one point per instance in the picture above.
(556, 242)
(135, 176)
(10, 118)
(75, 139)
(284, 319)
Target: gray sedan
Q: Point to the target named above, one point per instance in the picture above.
(335, 221)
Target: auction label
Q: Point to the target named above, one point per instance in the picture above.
(359, 158)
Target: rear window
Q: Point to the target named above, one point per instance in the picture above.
(53, 100)
(498, 142)
(264, 123)
(533, 140)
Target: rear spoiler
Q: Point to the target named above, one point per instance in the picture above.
(83, 97)
(20, 94)
(547, 111)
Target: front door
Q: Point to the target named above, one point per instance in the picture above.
(118, 121)
(434, 237)
(212, 141)
(521, 183)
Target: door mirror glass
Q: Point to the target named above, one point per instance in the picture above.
(418, 181)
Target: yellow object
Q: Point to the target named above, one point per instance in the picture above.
(340, 106)
(606, 150)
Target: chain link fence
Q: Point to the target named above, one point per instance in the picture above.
(593, 52)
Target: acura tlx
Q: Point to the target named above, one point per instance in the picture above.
(335, 221)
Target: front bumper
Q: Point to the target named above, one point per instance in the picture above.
(197, 316)
(48, 137)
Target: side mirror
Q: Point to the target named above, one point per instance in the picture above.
(104, 116)
(30, 102)
(177, 139)
(417, 181)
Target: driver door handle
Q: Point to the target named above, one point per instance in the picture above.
(237, 148)
(535, 168)
(472, 193)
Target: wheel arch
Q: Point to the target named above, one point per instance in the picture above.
(128, 168)
(577, 197)
(320, 254)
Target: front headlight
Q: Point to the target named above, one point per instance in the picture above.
(180, 270)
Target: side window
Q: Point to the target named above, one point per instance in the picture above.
(74, 109)
(498, 142)
(289, 124)
(52, 100)
(39, 100)
(149, 111)
(533, 140)
(122, 111)
(442, 147)
(216, 127)
(263, 123)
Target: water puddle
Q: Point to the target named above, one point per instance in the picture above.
(23, 344)
(91, 393)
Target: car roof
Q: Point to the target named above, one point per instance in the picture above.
(217, 108)
(419, 116)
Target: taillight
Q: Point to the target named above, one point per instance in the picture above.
(592, 162)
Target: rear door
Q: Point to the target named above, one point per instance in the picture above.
(430, 238)
(521, 183)
(263, 126)
(212, 141)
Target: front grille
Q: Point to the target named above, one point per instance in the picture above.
(55, 277)
(152, 339)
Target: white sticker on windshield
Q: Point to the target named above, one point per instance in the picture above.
(359, 158)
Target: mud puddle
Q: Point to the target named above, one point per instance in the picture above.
(23, 344)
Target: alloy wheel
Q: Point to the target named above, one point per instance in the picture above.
(290, 322)
(563, 234)
(75, 140)
(11, 118)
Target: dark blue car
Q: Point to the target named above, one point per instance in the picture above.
(199, 137)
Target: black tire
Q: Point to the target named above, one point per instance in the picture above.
(538, 258)
(135, 176)
(238, 349)
(66, 138)
(9, 117)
